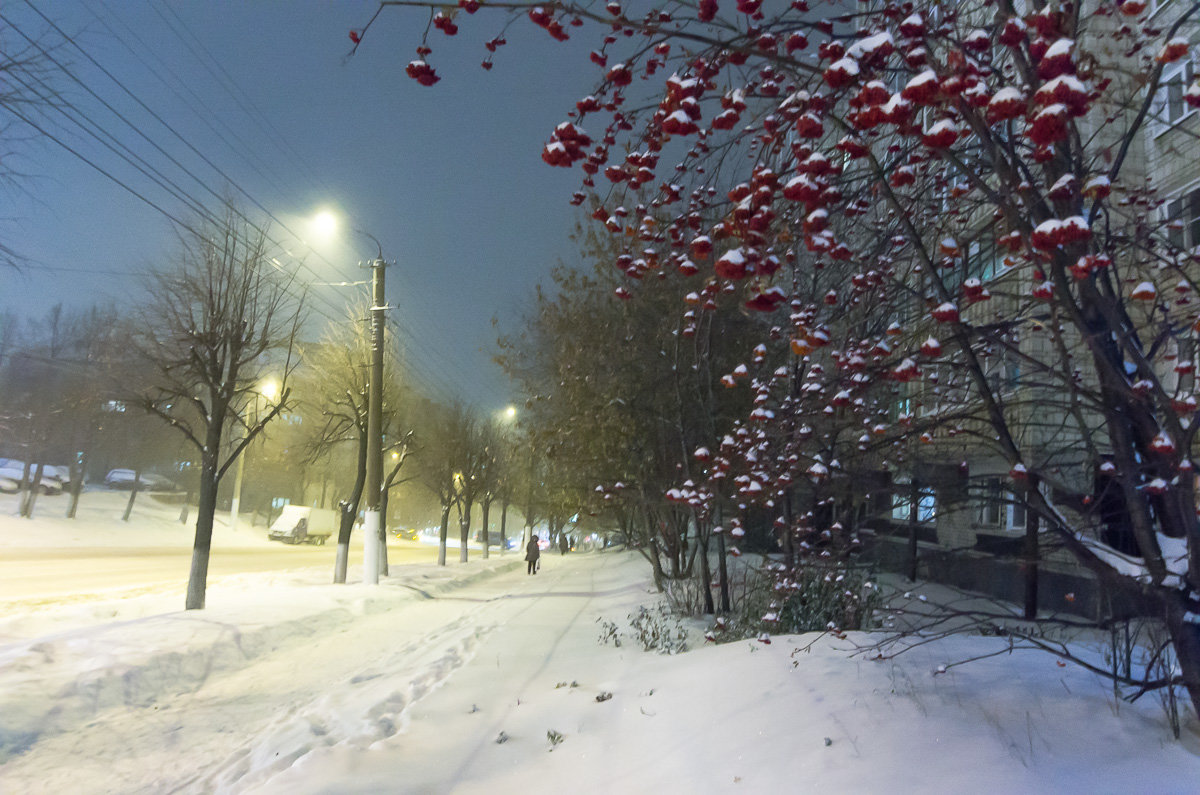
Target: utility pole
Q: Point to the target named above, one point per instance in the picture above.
(371, 522)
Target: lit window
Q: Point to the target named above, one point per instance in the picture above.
(902, 503)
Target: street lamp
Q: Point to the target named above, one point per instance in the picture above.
(324, 225)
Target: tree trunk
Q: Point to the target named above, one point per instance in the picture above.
(345, 528)
(133, 492)
(483, 533)
(464, 531)
(25, 490)
(383, 524)
(722, 566)
(723, 573)
(34, 488)
(705, 571)
(445, 531)
(914, 517)
(503, 523)
(788, 541)
(1030, 557)
(350, 506)
(202, 545)
(77, 470)
(187, 503)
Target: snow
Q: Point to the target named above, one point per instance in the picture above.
(452, 679)
(869, 46)
(1059, 49)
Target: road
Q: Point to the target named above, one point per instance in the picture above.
(34, 574)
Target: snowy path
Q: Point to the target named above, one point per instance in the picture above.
(525, 642)
(255, 699)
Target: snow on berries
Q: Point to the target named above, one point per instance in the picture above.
(422, 72)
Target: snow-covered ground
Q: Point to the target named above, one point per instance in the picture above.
(476, 678)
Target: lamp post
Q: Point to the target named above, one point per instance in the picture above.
(324, 225)
(371, 517)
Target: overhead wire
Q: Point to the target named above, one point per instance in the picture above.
(183, 90)
(414, 349)
(231, 86)
(238, 94)
(233, 183)
(90, 126)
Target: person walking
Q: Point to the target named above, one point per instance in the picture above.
(532, 553)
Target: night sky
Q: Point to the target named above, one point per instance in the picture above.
(448, 178)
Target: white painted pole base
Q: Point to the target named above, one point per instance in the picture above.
(371, 548)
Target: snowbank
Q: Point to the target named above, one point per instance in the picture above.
(476, 678)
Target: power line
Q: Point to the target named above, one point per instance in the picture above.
(420, 360)
(179, 193)
(235, 91)
(233, 183)
(182, 88)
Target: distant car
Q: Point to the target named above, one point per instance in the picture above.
(406, 534)
(123, 479)
(12, 472)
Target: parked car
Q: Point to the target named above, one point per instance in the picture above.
(123, 479)
(12, 472)
(298, 524)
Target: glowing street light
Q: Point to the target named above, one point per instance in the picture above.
(324, 225)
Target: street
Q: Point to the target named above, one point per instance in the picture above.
(33, 574)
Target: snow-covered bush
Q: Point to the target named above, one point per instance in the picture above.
(655, 629)
(815, 598)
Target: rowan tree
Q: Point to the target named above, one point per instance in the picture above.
(984, 174)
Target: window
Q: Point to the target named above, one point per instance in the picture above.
(1016, 514)
(991, 502)
(1183, 221)
(902, 503)
(998, 506)
(982, 262)
(1003, 370)
(1169, 106)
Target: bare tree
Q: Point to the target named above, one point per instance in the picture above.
(449, 465)
(213, 327)
(334, 380)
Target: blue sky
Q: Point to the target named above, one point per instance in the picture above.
(448, 178)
